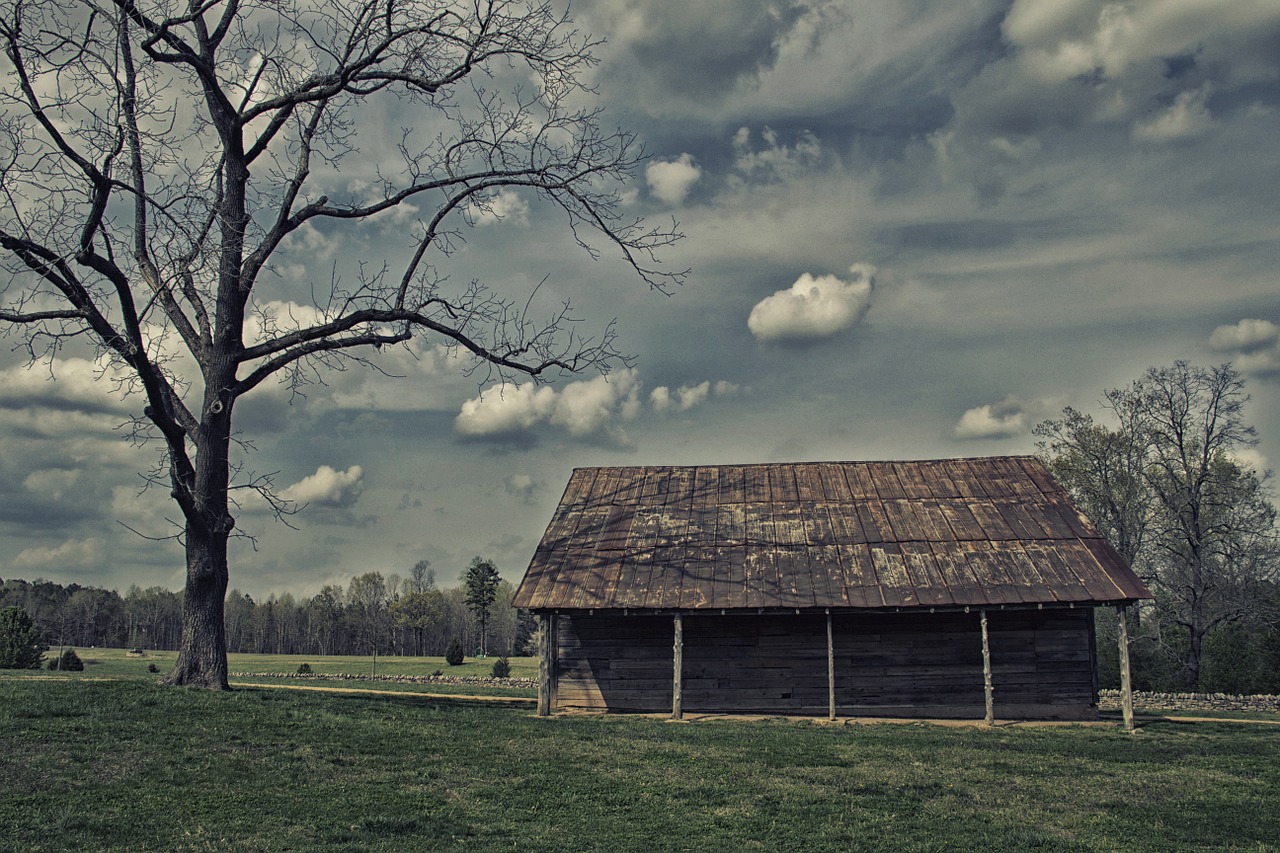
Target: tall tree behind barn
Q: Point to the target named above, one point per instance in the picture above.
(947, 588)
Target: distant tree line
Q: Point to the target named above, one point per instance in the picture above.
(375, 613)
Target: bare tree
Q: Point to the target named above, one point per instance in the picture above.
(1165, 487)
(157, 156)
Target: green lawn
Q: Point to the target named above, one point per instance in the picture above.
(128, 765)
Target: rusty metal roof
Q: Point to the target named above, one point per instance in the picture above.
(861, 535)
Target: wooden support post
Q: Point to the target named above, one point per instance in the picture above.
(987, 690)
(831, 671)
(677, 670)
(1126, 685)
(546, 663)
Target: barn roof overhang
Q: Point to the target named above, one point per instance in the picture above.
(997, 532)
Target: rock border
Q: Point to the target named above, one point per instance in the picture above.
(1110, 700)
(471, 680)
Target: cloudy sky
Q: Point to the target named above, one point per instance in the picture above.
(916, 229)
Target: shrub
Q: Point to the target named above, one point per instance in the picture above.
(454, 654)
(501, 668)
(304, 669)
(20, 646)
(69, 661)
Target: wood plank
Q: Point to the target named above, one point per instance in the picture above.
(756, 484)
(809, 485)
(1026, 572)
(706, 486)
(993, 483)
(886, 481)
(834, 483)
(1081, 562)
(795, 581)
(846, 529)
(611, 575)
(616, 531)
(1020, 520)
(953, 566)
(911, 478)
(902, 519)
(990, 519)
(1016, 478)
(680, 482)
(1063, 580)
(965, 479)
(697, 588)
(937, 481)
(732, 484)
(829, 577)
(964, 527)
(862, 486)
(578, 489)
(654, 491)
(630, 485)
(931, 587)
(875, 524)
(933, 521)
(782, 484)
(789, 525)
(992, 584)
(891, 571)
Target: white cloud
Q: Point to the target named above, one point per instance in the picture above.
(52, 482)
(1251, 459)
(1188, 116)
(1246, 336)
(75, 383)
(275, 317)
(663, 399)
(74, 553)
(671, 180)
(521, 486)
(1253, 345)
(813, 308)
(660, 398)
(1005, 419)
(327, 487)
(506, 409)
(586, 409)
(505, 206)
(775, 160)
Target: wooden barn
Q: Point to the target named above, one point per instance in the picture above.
(961, 588)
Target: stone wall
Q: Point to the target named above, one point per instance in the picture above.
(484, 681)
(1109, 700)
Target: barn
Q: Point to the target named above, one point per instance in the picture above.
(954, 588)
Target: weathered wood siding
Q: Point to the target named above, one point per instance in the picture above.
(914, 664)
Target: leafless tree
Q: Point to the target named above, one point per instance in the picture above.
(156, 157)
(1166, 486)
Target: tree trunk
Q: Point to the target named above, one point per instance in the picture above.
(202, 656)
(1194, 654)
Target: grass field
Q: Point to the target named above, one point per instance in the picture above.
(125, 764)
(120, 662)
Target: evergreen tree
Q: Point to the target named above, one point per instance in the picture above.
(481, 580)
(20, 641)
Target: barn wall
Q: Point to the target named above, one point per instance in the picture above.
(886, 664)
